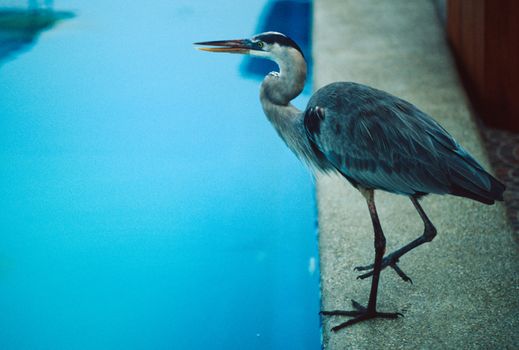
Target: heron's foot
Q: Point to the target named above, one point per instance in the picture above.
(359, 314)
(389, 260)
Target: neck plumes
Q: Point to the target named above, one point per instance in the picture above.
(277, 90)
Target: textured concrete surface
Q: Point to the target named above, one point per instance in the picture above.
(466, 282)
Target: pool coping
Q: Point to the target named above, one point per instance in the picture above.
(465, 282)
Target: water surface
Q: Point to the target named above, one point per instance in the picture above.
(146, 201)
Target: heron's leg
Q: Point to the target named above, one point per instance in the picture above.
(365, 313)
(392, 259)
(380, 249)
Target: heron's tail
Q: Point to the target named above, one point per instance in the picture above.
(470, 180)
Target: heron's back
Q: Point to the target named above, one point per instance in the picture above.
(379, 141)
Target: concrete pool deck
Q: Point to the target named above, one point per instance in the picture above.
(466, 282)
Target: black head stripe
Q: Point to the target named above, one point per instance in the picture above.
(281, 39)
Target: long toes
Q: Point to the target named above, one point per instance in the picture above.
(359, 310)
(363, 268)
(366, 316)
(351, 322)
(357, 306)
(401, 273)
(385, 262)
(341, 313)
(366, 275)
(392, 315)
(395, 267)
(388, 261)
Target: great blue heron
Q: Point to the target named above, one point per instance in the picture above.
(373, 139)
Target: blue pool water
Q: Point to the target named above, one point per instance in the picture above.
(146, 201)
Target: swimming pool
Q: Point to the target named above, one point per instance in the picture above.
(146, 201)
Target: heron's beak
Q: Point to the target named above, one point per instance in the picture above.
(231, 46)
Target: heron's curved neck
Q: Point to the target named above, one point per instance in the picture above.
(279, 88)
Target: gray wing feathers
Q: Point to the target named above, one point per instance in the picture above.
(380, 141)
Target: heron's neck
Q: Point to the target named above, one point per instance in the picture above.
(279, 88)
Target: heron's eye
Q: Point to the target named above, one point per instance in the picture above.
(260, 44)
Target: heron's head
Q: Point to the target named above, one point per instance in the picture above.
(271, 45)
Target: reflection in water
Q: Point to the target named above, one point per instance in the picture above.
(20, 28)
(290, 17)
